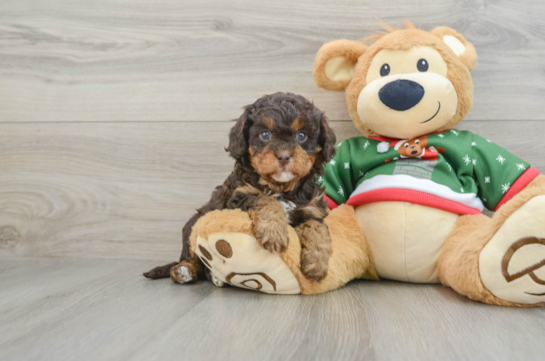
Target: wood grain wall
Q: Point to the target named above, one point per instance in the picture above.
(114, 113)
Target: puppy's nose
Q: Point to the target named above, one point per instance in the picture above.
(283, 158)
(401, 94)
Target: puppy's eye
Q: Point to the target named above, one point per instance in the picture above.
(384, 70)
(406, 145)
(422, 65)
(301, 137)
(265, 136)
(417, 141)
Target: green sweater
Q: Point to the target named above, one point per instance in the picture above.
(456, 171)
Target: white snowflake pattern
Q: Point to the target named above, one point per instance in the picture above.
(487, 179)
(521, 166)
(346, 165)
(320, 179)
(360, 173)
(366, 144)
(449, 166)
(441, 135)
(474, 161)
(484, 199)
(473, 144)
(467, 160)
(505, 187)
(340, 191)
(332, 162)
(454, 132)
(338, 145)
(500, 159)
(462, 190)
(488, 141)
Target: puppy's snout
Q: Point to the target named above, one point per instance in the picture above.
(283, 158)
(401, 94)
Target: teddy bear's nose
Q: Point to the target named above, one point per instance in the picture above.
(401, 94)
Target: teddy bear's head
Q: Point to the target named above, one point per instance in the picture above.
(408, 83)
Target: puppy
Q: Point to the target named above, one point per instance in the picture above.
(280, 145)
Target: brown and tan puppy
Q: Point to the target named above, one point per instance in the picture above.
(280, 145)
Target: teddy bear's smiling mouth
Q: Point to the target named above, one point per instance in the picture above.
(438, 108)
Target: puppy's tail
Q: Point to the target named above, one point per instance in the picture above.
(160, 272)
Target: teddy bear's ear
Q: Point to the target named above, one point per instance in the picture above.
(459, 45)
(335, 64)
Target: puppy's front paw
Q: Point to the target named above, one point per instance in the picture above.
(314, 264)
(273, 237)
(270, 224)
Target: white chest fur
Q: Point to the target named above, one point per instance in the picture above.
(287, 205)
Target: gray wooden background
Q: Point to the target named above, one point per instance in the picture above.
(113, 119)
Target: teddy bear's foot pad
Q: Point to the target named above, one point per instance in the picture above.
(238, 259)
(512, 264)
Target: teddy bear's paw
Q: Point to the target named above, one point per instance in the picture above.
(239, 260)
(512, 264)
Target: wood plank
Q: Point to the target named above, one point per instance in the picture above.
(124, 190)
(365, 320)
(165, 60)
(119, 315)
(102, 314)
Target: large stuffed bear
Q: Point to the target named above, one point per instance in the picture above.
(407, 197)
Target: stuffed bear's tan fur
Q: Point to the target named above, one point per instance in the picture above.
(458, 67)
(444, 247)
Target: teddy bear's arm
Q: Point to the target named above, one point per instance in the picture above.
(499, 174)
(338, 176)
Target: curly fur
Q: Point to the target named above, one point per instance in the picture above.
(251, 186)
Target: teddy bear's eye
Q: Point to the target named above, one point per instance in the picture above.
(265, 136)
(384, 70)
(406, 145)
(422, 65)
(417, 141)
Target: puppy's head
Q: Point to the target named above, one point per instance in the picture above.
(284, 137)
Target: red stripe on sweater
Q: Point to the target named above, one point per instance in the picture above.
(330, 203)
(519, 184)
(411, 196)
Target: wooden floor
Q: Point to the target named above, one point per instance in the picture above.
(114, 116)
(62, 309)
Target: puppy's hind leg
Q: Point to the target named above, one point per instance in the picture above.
(160, 272)
(188, 271)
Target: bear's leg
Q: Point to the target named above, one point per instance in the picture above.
(225, 242)
(501, 260)
(350, 258)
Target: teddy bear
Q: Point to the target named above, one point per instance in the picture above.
(405, 197)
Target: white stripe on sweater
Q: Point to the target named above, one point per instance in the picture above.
(402, 181)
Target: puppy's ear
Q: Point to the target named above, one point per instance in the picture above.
(463, 49)
(238, 135)
(326, 140)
